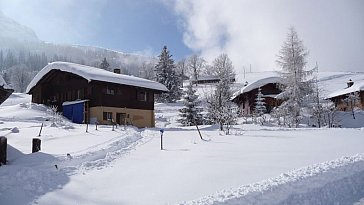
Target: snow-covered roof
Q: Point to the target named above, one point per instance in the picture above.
(207, 77)
(357, 86)
(256, 84)
(92, 73)
(73, 102)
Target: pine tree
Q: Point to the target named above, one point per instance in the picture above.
(166, 74)
(191, 113)
(221, 109)
(295, 84)
(104, 64)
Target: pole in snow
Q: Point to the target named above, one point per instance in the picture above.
(161, 131)
(40, 131)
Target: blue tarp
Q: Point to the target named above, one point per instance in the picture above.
(74, 112)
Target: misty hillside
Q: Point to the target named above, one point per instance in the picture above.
(19, 45)
(10, 29)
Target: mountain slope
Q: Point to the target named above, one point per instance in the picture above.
(21, 40)
(11, 29)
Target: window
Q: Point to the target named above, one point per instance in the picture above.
(142, 96)
(119, 91)
(151, 97)
(107, 115)
(110, 91)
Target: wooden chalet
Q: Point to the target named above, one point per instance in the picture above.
(339, 96)
(245, 98)
(209, 80)
(5, 91)
(87, 94)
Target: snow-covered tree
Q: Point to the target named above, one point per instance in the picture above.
(166, 74)
(351, 101)
(195, 64)
(221, 109)
(104, 64)
(260, 109)
(1, 60)
(296, 84)
(20, 77)
(329, 114)
(317, 107)
(181, 67)
(191, 112)
(223, 68)
(147, 71)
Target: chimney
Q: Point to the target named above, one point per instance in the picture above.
(117, 70)
(350, 83)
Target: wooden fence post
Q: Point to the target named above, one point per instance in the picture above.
(161, 131)
(3, 150)
(36, 145)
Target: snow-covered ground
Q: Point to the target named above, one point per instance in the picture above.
(253, 165)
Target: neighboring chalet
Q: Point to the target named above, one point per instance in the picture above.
(92, 95)
(245, 98)
(5, 91)
(338, 96)
(209, 80)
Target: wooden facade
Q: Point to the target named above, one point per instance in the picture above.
(246, 100)
(4, 93)
(105, 102)
(344, 106)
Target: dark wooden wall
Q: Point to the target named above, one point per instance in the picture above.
(124, 96)
(4, 94)
(57, 87)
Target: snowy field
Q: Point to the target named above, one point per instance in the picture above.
(253, 165)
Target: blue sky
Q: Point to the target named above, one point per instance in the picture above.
(251, 32)
(139, 26)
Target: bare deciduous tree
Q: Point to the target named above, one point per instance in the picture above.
(220, 107)
(20, 77)
(195, 64)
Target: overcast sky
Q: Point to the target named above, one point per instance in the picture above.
(250, 32)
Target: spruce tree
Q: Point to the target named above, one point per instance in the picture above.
(166, 74)
(104, 64)
(260, 108)
(191, 113)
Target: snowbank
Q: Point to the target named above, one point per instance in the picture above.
(338, 181)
